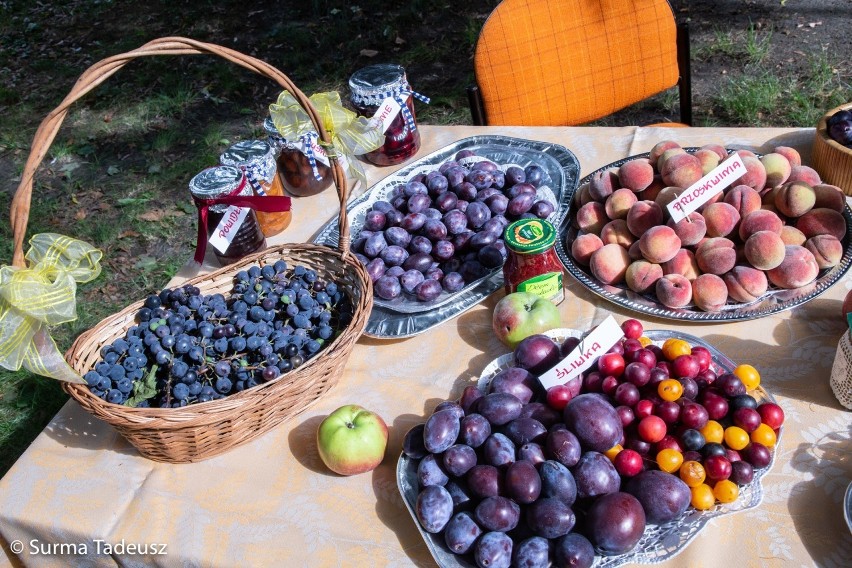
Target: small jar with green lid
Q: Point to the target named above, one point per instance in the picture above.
(532, 265)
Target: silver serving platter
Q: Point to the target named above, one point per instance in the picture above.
(406, 318)
(659, 542)
(773, 301)
(847, 507)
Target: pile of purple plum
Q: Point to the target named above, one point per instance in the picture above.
(444, 229)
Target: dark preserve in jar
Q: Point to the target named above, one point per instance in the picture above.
(371, 88)
(294, 167)
(532, 265)
(222, 181)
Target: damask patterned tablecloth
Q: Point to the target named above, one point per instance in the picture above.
(272, 503)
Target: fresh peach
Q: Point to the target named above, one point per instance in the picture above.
(583, 247)
(745, 284)
(659, 148)
(791, 154)
(690, 230)
(792, 236)
(667, 195)
(830, 197)
(760, 220)
(716, 255)
(755, 176)
(746, 154)
(609, 264)
(619, 203)
(744, 199)
(642, 276)
(827, 250)
(591, 217)
(709, 292)
(603, 184)
(582, 196)
(795, 198)
(642, 216)
(684, 264)
(764, 250)
(709, 160)
(659, 244)
(636, 175)
(718, 149)
(777, 168)
(650, 193)
(798, 268)
(721, 219)
(822, 221)
(681, 170)
(674, 291)
(805, 174)
(634, 252)
(616, 231)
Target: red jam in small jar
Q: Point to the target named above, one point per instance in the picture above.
(532, 265)
(371, 90)
(294, 167)
(223, 181)
(257, 159)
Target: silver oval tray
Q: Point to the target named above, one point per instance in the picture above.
(407, 317)
(659, 542)
(773, 301)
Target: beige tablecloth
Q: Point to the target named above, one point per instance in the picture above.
(272, 503)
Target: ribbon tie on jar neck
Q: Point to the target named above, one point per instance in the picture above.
(42, 295)
(351, 135)
(401, 96)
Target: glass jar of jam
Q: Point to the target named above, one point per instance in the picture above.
(295, 171)
(223, 220)
(379, 91)
(532, 265)
(257, 159)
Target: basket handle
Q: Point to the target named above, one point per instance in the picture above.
(102, 70)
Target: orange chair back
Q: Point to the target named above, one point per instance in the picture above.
(566, 62)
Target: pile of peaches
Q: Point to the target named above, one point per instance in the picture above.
(775, 227)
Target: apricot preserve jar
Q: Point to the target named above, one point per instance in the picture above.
(257, 159)
(532, 265)
(382, 92)
(297, 174)
(232, 231)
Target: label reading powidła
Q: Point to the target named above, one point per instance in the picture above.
(596, 343)
(227, 228)
(704, 189)
(387, 112)
(319, 152)
(547, 286)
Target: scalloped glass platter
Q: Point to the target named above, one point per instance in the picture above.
(773, 301)
(659, 542)
(404, 316)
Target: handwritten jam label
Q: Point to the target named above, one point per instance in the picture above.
(387, 112)
(547, 286)
(227, 228)
(704, 189)
(596, 343)
(319, 152)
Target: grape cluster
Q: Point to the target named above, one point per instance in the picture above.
(187, 347)
(444, 229)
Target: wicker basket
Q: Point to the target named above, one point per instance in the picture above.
(200, 431)
(832, 160)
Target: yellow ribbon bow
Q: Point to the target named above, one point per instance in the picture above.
(42, 295)
(351, 135)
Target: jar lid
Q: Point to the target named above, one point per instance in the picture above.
(530, 236)
(377, 82)
(216, 182)
(245, 152)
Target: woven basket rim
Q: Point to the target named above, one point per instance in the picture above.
(213, 407)
(822, 129)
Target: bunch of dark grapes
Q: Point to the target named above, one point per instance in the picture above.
(444, 229)
(188, 347)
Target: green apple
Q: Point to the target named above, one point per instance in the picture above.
(521, 314)
(352, 440)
